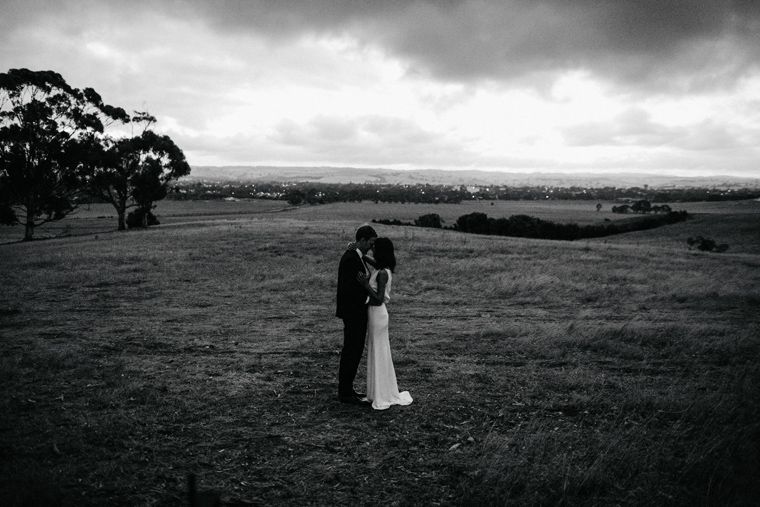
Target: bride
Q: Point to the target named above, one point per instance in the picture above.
(382, 389)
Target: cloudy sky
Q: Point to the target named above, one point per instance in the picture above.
(652, 86)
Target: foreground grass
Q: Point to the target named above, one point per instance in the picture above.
(543, 373)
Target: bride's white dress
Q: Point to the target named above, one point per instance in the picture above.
(382, 389)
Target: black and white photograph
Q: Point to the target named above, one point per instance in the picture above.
(379, 253)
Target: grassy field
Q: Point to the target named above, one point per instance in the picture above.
(101, 218)
(619, 371)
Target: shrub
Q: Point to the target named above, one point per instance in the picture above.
(706, 245)
(7, 215)
(432, 220)
(476, 223)
(525, 226)
(386, 221)
(642, 206)
(141, 218)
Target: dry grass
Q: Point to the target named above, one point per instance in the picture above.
(543, 373)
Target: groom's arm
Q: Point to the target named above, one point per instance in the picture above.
(349, 270)
(376, 298)
(366, 257)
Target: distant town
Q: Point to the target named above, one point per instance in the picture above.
(311, 192)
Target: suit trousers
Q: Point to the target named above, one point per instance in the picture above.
(354, 336)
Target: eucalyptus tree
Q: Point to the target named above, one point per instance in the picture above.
(49, 134)
(134, 172)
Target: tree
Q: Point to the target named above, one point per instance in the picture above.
(295, 197)
(431, 220)
(642, 206)
(48, 130)
(134, 172)
(476, 223)
(598, 207)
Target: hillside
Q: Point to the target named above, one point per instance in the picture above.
(545, 373)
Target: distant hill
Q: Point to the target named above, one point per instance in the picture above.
(464, 177)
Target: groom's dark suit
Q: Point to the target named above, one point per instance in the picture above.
(352, 308)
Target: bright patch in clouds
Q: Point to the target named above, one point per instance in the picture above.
(418, 85)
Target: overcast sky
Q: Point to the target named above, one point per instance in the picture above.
(655, 86)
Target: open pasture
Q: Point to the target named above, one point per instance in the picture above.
(544, 373)
(101, 218)
(580, 212)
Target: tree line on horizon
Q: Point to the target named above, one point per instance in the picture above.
(525, 226)
(59, 148)
(314, 193)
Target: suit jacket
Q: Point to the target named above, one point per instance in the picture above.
(351, 295)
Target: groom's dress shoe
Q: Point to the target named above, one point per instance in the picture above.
(355, 400)
(360, 395)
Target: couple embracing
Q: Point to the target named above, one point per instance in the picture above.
(364, 286)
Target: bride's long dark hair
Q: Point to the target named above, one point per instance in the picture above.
(384, 254)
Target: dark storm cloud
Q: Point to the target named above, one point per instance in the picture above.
(315, 81)
(662, 42)
(677, 44)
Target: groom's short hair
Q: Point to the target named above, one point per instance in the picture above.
(365, 232)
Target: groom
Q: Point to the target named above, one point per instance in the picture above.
(352, 308)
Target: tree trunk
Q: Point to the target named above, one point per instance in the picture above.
(122, 219)
(29, 229)
(121, 210)
(29, 223)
